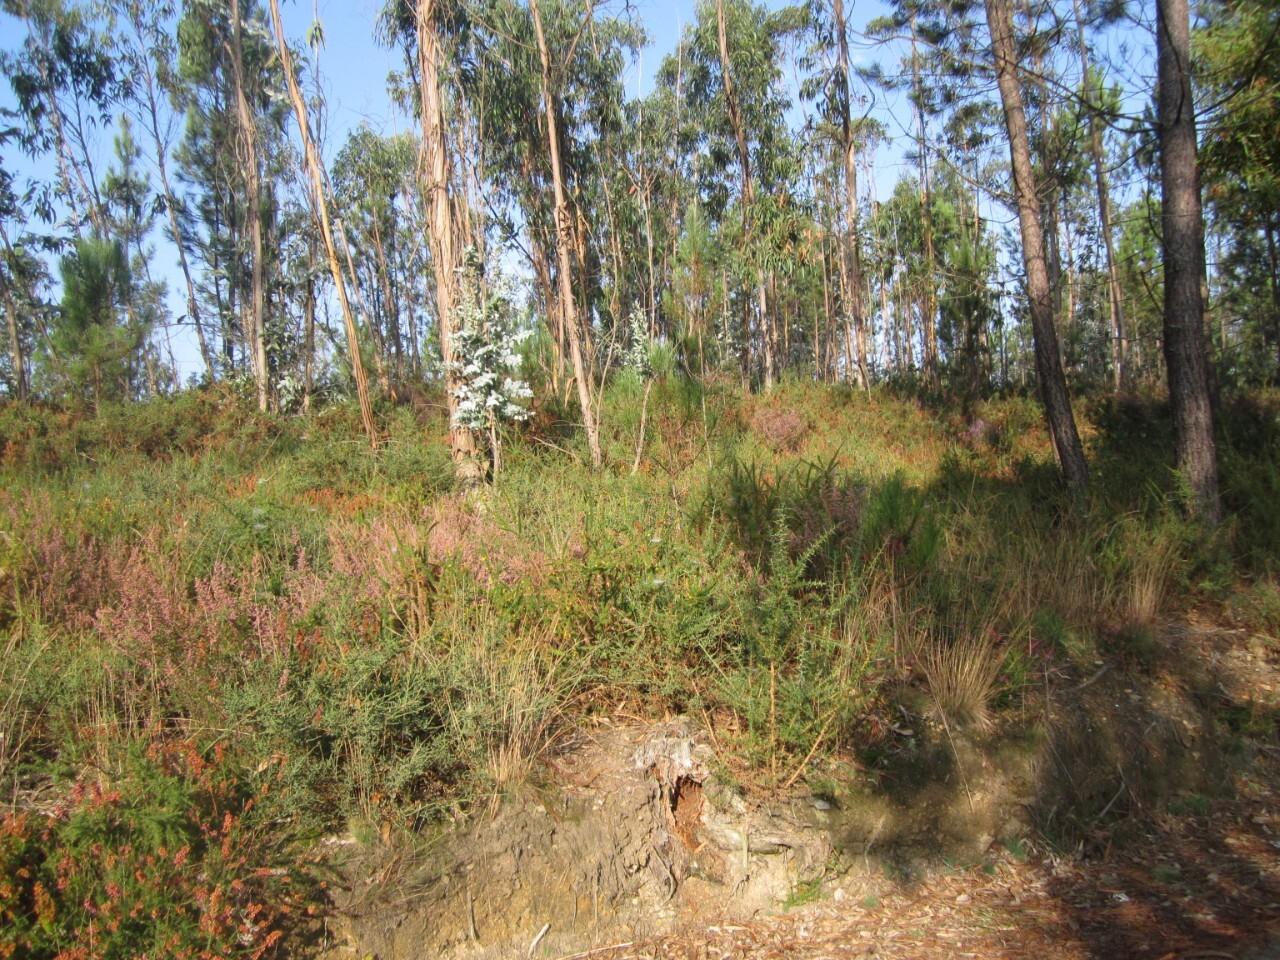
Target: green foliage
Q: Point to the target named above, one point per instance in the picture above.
(1258, 608)
(836, 522)
(1238, 48)
(93, 348)
(167, 857)
(1051, 630)
(1250, 477)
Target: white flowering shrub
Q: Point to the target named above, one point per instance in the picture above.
(289, 392)
(636, 359)
(486, 337)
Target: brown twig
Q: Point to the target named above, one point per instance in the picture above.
(595, 951)
(812, 750)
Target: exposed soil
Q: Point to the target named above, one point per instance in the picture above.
(1193, 888)
(1132, 813)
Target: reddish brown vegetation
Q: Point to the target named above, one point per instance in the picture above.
(782, 428)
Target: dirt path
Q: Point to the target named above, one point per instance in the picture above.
(1194, 887)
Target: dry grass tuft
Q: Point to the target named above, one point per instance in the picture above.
(16, 664)
(1148, 584)
(528, 723)
(962, 676)
(509, 695)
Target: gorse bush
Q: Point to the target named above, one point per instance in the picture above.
(836, 521)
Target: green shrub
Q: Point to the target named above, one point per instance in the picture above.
(167, 858)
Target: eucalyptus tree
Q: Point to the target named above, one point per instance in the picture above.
(302, 292)
(552, 161)
(968, 309)
(1141, 286)
(565, 233)
(372, 174)
(66, 85)
(603, 154)
(147, 47)
(830, 83)
(1098, 101)
(16, 276)
(320, 205)
(734, 104)
(664, 148)
(649, 126)
(937, 57)
(21, 274)
(232, 154)
(435, 165)
(907, 274)
(250, 164)
(436, 39)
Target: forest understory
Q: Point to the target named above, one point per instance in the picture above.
(989, 707)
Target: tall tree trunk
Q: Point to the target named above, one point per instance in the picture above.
(1053, 385)
(309, 329)
(434, 170)
(1069, 286)
(542, 283)
(888, 326)
(1182, 226)
(1115, 301)
(193, 305)
(326, 234)
(390, 304)
(1274, 261)
(255, 332)
(565, 231)
(17, 360)
(903, 303)
(850, 246)
(828, 330)
(152, 123)
(929, 308)
(379, 347)
(748, 189)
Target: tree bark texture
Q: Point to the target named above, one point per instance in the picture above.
(565, 232)
(1053, 384)
(1182, 227)
(433, 164)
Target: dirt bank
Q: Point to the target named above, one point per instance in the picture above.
(1131, 813)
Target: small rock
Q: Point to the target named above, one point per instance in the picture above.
(838, 896)
(963, 898)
